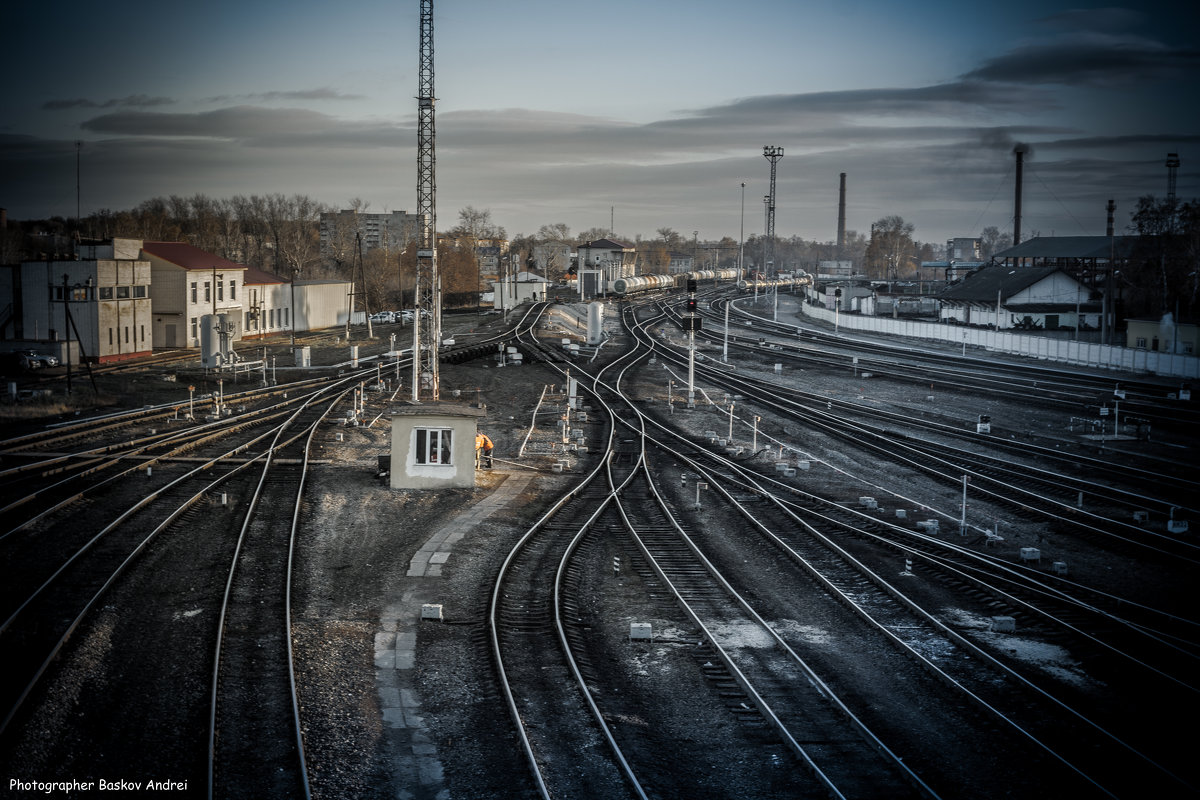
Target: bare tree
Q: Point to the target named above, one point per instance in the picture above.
(558, 232)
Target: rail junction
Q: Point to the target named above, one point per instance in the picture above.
(817, 582)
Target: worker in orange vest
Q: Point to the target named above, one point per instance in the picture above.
(483, 450)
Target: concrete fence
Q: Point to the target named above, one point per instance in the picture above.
(1088, 354)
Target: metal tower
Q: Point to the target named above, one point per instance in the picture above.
(427, 327)
(772, 154)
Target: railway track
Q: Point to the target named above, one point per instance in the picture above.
(1180, 656)
(256, 745)
(1075, 390)
(842, 757)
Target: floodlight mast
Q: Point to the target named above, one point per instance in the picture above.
(428, 301)
(772, 154)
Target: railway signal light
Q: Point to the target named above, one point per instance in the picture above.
(691, 305)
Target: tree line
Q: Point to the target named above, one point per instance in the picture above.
(281, 234)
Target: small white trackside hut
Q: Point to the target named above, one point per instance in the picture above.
(433, 446)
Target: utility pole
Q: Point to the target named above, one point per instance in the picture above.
(428, 301)
(772, 154)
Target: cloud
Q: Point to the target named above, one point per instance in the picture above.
(1089, 58)
(131, 101)
(1094, 19)
(249, 125)
(943, 98)
(320, 93)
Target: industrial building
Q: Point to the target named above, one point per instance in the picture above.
(96, 307)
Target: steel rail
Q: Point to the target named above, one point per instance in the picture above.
(277, 444)
(750, 482)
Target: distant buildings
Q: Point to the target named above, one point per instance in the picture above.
(680, 262)
(552, 259)
(604, 260)
(340, 231)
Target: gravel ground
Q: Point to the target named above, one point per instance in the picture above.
(359, 536)
(362, 536)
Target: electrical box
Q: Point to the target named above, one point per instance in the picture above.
(641, 630)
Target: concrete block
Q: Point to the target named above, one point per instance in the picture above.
(1003, 625)
(431, 611)
(641, 630)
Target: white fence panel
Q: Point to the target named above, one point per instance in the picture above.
(1063, 350)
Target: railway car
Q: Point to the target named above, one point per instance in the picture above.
(647, 283)
(799, 278)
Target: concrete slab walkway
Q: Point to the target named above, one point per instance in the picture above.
(417, 770)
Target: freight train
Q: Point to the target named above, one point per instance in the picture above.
(622, 287)
(648, 283)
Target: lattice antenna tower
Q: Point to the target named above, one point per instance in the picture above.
(1172, 170)
(427, 327)
(772, 154)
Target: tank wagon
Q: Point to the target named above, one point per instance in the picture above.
(649, 283)
(799, 278)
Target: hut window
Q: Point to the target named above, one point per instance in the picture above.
(434, 446)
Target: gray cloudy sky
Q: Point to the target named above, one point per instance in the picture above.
(653, 112)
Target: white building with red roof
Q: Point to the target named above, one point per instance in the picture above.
(185, 284)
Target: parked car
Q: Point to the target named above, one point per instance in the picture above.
(382, 316)
(31, 359)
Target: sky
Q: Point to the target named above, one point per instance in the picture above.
(643, 115)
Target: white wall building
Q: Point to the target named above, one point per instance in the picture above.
(187, 283)
(107, 291)
(323, 304)
(1021, 298)
(433, 446)
(268, 300)
(507, 293)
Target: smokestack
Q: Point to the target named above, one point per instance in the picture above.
(841, 217)
(1019, 150)
(1111, 207)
